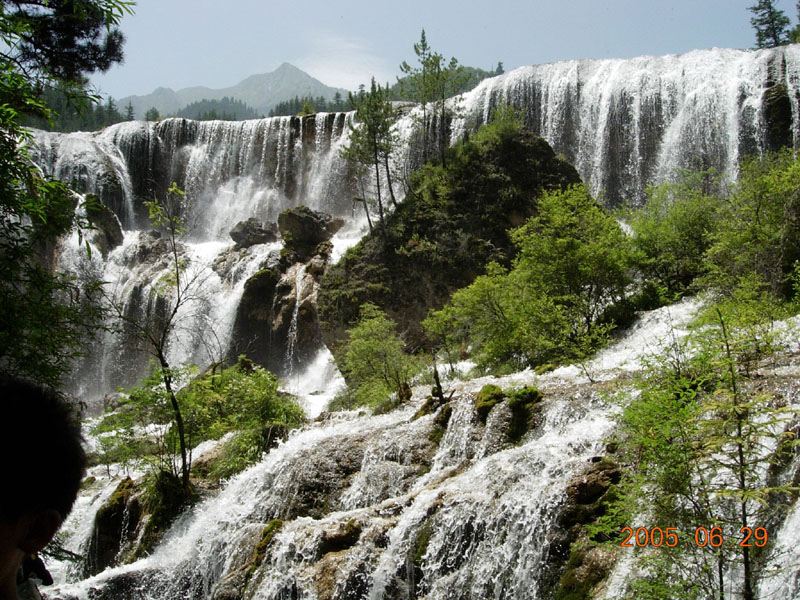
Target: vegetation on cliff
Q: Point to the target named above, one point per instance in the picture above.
(452, 223)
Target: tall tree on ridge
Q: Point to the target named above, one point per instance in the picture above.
(431, 84)
(373, 139)
(770, 23)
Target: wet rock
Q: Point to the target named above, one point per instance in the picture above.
(303, 229)
(108, 231)
(341, 537)
(252, 231)
(115, 524)
(594, 482)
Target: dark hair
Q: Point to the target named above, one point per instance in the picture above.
(41, 450)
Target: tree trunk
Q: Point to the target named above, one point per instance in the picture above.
(176, 410)
(389, 180)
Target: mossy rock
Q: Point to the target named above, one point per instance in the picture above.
(342, 539)
(524, 405)
(587, 567)
(486, 399)
(260, 551)
(165, 499)
(440, 423)
(115, 521)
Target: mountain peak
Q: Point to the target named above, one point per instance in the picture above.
(261, 92)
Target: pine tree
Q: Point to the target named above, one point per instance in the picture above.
(770, 23)
(372, 139)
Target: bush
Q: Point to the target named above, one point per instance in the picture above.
(241, 398)
(671, 233)
(759, 226)
(373, 362)
(572, 265)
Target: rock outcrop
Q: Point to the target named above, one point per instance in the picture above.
(252, 231)
(277, 322)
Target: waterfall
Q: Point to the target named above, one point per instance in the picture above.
(468, 516)
(627, 124)
(299, 285)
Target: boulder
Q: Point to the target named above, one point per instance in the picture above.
(107, 233)
(252, 231)
(304, 229)
(114, 526)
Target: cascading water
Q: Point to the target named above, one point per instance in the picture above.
(626, 124)
(373, 507)
(299, 286)
(469, 516)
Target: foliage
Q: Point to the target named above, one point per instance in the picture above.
(404, 87)
(68, 113)
(671, 232)
(372, 142)
(295, 105)
(759, 225)
(699, 438)
(43, 314)
(242, 399)
(453, 221)
(373, 361)
(572, 263)
(431, 84)
(226, 109)
(770, 23)
(62, 39)
(152, 114)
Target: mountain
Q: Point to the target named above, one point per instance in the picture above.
(262, 92)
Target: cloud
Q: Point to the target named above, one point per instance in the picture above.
(344, 62)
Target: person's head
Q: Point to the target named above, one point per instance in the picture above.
(43, 462)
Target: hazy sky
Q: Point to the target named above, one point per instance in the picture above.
(217, 43)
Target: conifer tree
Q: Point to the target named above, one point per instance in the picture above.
(771, 24)
(373, 140)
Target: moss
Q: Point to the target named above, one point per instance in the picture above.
(585, 569)
(440, 424)
(486, 399)
(524, 409)
(260, 551)
(164, 500)
(421, 544)
(88, 482)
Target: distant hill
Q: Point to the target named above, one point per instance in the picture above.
(261, 92)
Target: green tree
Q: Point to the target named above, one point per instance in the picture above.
(43, 314)
(771, 24)
(671, 233)
(152, 114)
(572, 264)
(129, 114)
(174, 296)
(431, 84)
(373, 141)
(373, 361)
(794, 34)
(758, 226)
(700, 437)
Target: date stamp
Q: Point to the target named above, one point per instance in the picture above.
(703, 537)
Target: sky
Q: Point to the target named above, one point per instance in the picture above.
(217, 43)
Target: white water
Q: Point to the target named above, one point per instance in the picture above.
(488, 509)
(626, 124)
